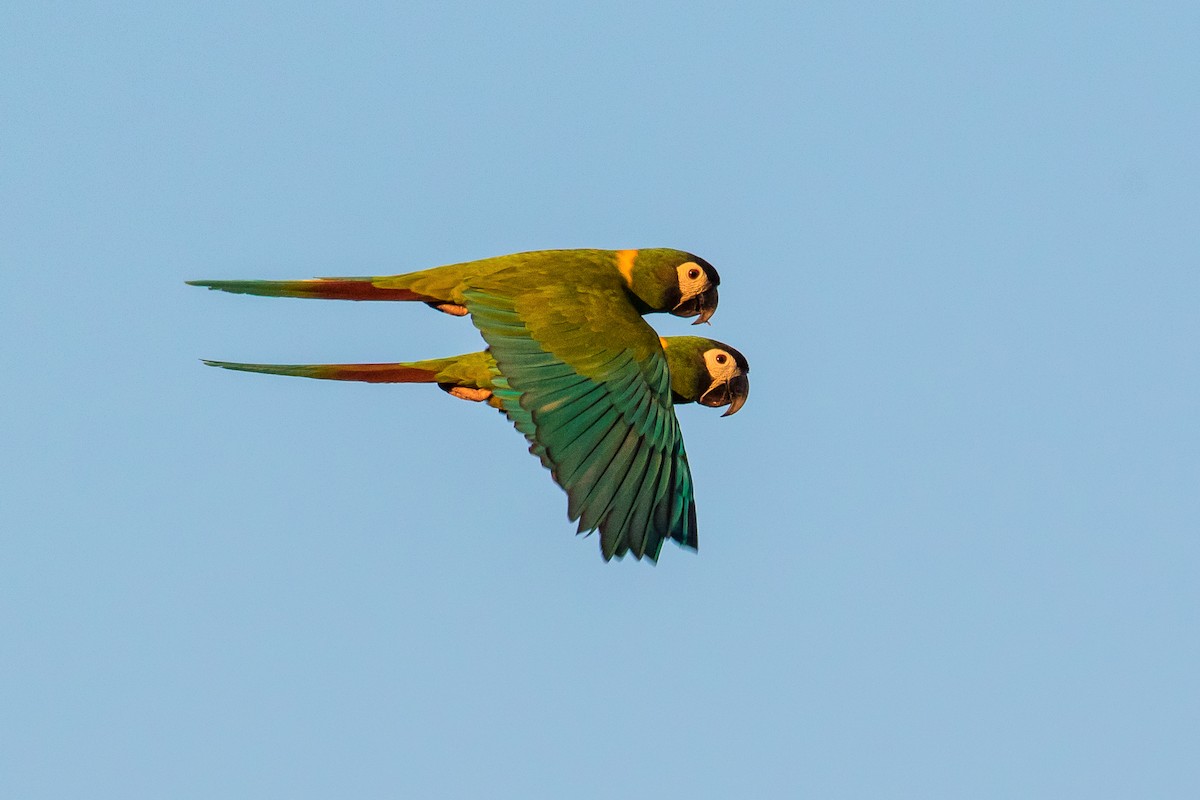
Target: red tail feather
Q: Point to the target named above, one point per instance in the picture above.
(376, 373)
(349, 289)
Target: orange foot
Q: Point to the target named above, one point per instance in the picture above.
(454, 309)
(474, 395)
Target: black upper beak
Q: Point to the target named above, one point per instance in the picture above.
(732, 393)
(739, 390)
(708, 305)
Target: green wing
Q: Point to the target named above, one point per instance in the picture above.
(585, 379)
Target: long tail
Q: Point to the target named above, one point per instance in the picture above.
(319, 288)
(413, 372)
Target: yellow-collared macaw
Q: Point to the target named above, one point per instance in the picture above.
(702, 371)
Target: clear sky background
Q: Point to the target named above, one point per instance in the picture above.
(948, 549)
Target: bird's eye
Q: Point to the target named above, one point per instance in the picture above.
(693, 273)
(722, 358)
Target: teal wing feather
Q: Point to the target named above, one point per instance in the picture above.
(593, 397)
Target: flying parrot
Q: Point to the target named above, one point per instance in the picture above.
(600, 281)
(577, 369)
(702, 371)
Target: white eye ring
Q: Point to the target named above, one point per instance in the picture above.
(720, 364)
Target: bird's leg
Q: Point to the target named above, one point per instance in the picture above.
(454, 309)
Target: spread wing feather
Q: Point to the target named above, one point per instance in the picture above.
(593, 398)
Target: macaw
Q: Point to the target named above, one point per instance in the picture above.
(579, 371)
(648, 280)
(702, 371)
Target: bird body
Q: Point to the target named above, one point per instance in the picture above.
(649, 278)
(701, 371)
(692, 360)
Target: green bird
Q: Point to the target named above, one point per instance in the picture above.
(650, 280)
(702, 371)
(578, 369)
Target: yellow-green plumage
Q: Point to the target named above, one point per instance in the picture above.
(648, 278)
(596, 389)
(576, 368)
(478, 372)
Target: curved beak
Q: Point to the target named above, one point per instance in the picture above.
(708, 305)
(739, 390)
(732, 393)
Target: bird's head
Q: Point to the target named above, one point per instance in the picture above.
(707, 372)
(672, 280)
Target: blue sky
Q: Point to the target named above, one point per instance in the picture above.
(948, 549)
